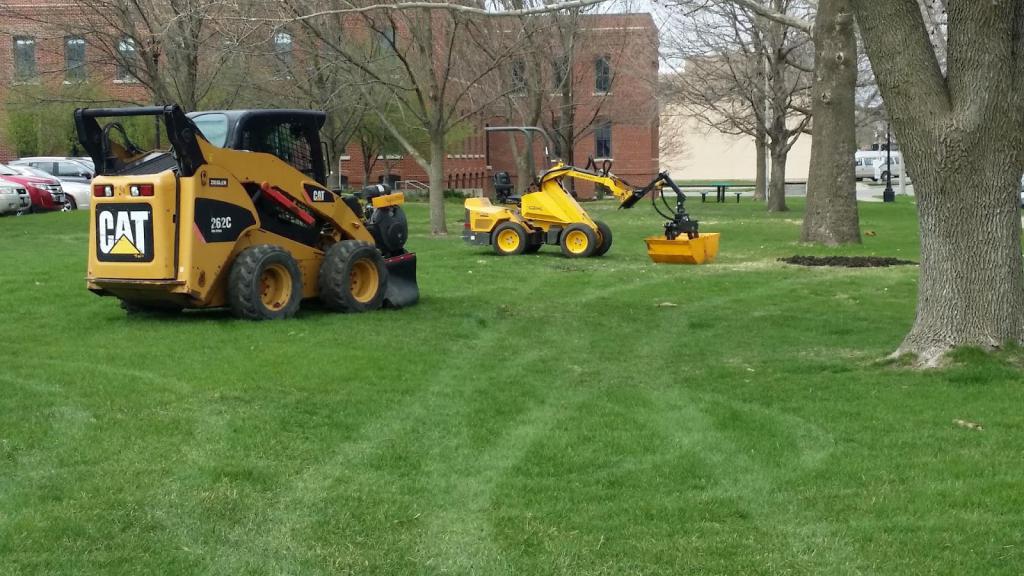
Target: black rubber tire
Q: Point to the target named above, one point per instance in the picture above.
(69, 203)
(591, 241)
(132, 308)
(335, 276)
(244, 286)
(605, 234)
(884, 177)
(533, 248)
(520, 232)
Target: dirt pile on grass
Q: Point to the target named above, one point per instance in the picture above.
(847, 261)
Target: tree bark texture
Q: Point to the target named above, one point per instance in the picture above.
(777, 184)
(961, 138)
(761, 180)
(831, 216)
(437, 222)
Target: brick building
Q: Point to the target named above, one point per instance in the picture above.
(38, 54)
(613, 73)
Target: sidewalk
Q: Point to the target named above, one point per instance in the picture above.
(873, 192)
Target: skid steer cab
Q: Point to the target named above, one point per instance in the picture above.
(236, 213)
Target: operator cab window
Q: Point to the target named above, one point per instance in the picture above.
(214, 128)
(286, 140)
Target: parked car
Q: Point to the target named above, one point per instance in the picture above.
(14, 198)
(78, 194)
(66, 169)
(46, 193)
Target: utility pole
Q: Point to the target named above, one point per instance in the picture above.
(888, 195)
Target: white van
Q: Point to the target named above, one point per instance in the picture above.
(882, 170)
(866, 162)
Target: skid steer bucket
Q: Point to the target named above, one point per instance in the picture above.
(683, 250)
(402, 289)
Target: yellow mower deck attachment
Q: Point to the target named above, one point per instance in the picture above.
(683, 250)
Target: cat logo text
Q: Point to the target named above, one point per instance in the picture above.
(124, 233)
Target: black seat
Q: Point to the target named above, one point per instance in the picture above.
(504, 189)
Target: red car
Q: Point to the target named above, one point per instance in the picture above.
(46, 193)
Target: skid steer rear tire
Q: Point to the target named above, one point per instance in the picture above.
(265, 284)
(578, 241)
(353, 277)
(509, 239)
(605, 235)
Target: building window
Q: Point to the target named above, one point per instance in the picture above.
(24, 58)
(126, 54)
(519, 77)
(74, 59)
(602, 75)
(603, 140)
(557, 74)
(386, 37)
(283, 45)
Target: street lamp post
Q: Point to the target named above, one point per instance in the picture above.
(888, 195)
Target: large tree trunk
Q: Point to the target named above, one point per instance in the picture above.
(971, 286)
(437, 223)
(761, 180)
(777, 185)
(961, 138)
(831, 216)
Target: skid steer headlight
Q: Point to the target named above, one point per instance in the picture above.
(103, 190)
(141, 190)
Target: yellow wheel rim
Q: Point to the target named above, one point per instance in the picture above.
(275, 287)
(508, 240)
(364, 281)
(577, 242)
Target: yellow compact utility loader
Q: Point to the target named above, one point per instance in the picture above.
(548, 214)
(237, 214)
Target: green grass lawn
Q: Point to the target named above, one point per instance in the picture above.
(532, 415)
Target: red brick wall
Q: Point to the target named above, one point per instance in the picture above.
(41, 20)
(630, 42)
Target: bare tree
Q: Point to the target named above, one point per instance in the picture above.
(831, 216)
(168, 47)
(744, 71)
(961, 134)
(438, 65)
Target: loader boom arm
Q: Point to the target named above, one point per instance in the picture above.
(623, 192)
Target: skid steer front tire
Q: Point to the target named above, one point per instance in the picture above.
(578, 241)
(265, 284)
(353, 277)
(604, 234)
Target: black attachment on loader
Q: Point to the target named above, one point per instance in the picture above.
(679, 221)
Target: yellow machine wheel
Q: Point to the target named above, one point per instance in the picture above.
(604, 234)
(579, 241)
(264, 284)
(509, 239)
(353, 277)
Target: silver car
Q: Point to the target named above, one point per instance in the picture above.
(66, 169)
(77, 194)
(14, 198)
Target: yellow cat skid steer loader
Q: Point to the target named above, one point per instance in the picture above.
(237, 213)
